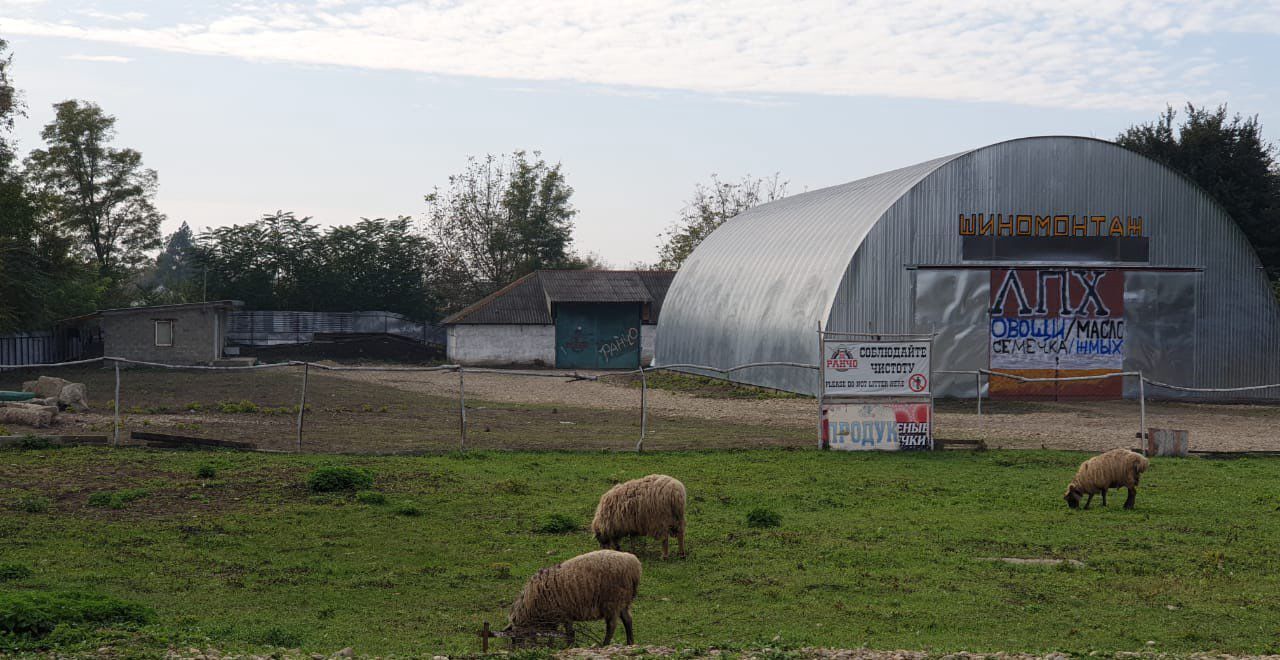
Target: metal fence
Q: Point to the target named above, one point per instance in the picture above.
(275, 328)
(28, 348)
(291, 421)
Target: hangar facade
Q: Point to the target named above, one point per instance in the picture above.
(1041, 256)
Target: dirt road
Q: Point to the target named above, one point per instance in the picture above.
(1091, 425)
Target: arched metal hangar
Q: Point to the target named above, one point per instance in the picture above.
(1039, 256)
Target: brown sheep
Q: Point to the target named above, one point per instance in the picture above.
(595, 585)
(1118, 468)
(650, 506)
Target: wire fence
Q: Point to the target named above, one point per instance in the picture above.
(289, 402)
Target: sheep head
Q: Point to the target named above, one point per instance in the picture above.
(1072, 497)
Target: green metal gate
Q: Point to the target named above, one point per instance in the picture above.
(597, 335)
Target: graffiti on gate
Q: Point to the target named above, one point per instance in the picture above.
(619, 343)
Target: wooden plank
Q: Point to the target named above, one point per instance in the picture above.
(171, 441)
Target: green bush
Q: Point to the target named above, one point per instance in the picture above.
(281, 638)
(13, 572)
(32, 503)
(763, 518)
(236, 407)
(334, 478)
(31, 442)
(371, 497)
(206, 471)
(36, 614)
(117, 499)
(558, 523)
(408, 510)
(512, 487)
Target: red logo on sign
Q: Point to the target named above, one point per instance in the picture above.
(842, 360)
(917, 382)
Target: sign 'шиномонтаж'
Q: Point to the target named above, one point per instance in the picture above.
(1030, 224)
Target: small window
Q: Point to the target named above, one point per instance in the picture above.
(164, 333)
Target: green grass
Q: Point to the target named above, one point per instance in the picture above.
(711, 388)
(883, 551)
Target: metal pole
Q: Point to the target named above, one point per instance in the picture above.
(821, 383)
(462, 409)
(977, 383)
(1142, 410)
(644, 409)
(302, 403)
(115, 430)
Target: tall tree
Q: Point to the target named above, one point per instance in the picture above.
(380, 265)
(264, 263)
(95, 191)
(1228, 157)
(173, 277)
(40, 280)
(500, 218)
(711, 206)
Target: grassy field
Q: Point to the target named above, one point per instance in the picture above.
(886, 551)
(344, 415)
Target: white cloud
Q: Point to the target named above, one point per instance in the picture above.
(113, 59)
(1072, 53)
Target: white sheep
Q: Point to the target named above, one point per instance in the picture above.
(650, 506)
(1118, 468)
(596, 585)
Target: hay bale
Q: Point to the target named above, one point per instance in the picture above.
(45, 387)
(27, 414)
(74, 396)
(62, 393)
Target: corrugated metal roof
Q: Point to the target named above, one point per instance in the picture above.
(757, 287)
(528, 299)
(521, 302)
(593, 286)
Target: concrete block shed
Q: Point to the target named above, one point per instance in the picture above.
(568, 319)
(193, 333)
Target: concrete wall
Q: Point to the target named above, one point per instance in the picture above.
(501, 345)
(132, 334)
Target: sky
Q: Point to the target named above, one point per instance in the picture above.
(343, 109)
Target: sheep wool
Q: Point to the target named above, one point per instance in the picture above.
(595, 585)
(651, 506)
(1118, 468)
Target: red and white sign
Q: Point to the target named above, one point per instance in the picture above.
(877, 426)
(875, 368)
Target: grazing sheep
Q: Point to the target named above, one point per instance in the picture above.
(1118, 468)
(649, 506)
(596, 585)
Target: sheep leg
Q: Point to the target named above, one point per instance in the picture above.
(569, 634)
(1086, 502)
(626, 623)
(680, 539)
(1104, 498)
(1133, 493)
(610, 625)
(665, 548)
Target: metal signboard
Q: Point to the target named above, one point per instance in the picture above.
(895, 426)
(876, 392)
(875, 368)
